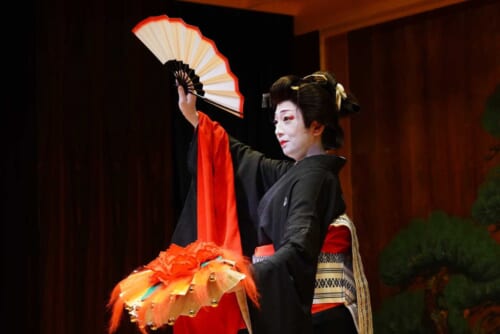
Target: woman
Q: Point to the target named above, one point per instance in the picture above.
(286, 207)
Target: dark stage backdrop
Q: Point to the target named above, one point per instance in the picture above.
(95, 170)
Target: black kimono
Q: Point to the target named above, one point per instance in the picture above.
(289, 205)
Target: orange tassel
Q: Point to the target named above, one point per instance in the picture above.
(186, 279)
(161, 309)
(117, 309)
(243, 265)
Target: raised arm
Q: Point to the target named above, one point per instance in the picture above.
(187, 105)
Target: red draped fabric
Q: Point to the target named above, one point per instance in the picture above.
(217, 222)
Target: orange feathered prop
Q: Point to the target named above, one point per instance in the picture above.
(209, 272)
(178, 282)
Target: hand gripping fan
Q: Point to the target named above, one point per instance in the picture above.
(194, 60)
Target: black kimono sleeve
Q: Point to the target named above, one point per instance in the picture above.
(185, 231)
(286, 279)
(254, 175)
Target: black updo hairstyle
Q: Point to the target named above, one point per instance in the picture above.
(315, 95)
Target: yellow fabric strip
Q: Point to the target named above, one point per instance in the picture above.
(364, 313)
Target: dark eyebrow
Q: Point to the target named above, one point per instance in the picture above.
(287, 109)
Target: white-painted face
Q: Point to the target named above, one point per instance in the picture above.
(295, 139)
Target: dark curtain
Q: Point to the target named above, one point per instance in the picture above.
(104, 152)
(18, 212)
(93, 178)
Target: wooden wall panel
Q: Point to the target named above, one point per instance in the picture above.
(335, 58)
(419, 145)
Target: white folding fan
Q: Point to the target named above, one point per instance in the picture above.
(194, 60)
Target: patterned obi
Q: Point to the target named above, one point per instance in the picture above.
(334, 276)
(340, 278)
(334, 279)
